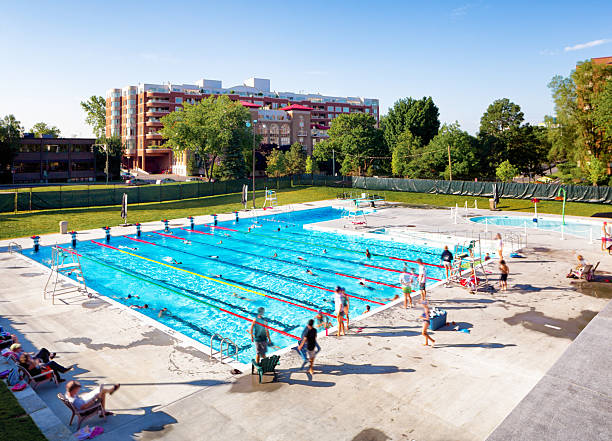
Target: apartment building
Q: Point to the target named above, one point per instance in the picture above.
(134, 112)
(50, 159)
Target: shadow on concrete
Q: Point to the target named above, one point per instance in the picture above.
(537, 321)
(391, 331)
(371, 435)
(474, 345)
(135, 425)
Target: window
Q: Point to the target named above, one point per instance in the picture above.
(345, 109)
(24, 148)
(338, 109)
(81, 148)
(27, 167)
(82, 166)
(55, 148)
(330, 116)
(115, 113)
(178, 100)
(330, 108)
(58, 166)
(115, 104)
(116, 95)
(131, 102)
(367, 110)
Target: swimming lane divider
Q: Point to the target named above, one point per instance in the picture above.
(320, 246)
(216, 280)
(397, 271)
(352, 262)
(289, 263)
(167, 288)
(204, 277)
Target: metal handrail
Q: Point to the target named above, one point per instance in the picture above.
(14, 247)
(211, 342)
(224, 341)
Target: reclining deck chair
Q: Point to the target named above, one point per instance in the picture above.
(266, 365)
(81, 415)
(36, 380)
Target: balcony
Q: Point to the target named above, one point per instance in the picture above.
(156, 101)
(158, 94)
(157, 151)
(157, 112)
(153, 135)
(153, 124)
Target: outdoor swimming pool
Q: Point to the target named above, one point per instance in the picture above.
(576, 228)
(226, 272)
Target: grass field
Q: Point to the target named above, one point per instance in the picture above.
(41, 222)
(15, 424)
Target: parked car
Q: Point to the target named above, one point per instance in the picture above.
(194, 178)
(165, 181)
(136, 181)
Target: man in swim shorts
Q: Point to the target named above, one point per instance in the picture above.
(260, 334)
(447, 261)
(422, 278)
(406, 281)
(310, 340)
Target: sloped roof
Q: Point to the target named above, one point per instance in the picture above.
(296, 107)
(248, 104)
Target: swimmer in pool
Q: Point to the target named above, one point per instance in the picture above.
(241, 297)
(145, 306)
(368, 255)
(162, 311)
(367, 309)
(275, 255)
(214, 257)
(218, 276)
(309, 271)
(395, 297)
(172, 260)
(324, 251)
(301, 258)
(187, 242)
(128, 248)
(130, 296)
(220, 242)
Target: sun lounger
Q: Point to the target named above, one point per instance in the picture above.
(36, 380)
(266, 365)
(589, 272)
(81, 415)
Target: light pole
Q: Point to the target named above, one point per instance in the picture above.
(252, 125)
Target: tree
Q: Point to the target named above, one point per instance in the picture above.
(276, 165)
(10, 134)
(403, 153)
(603, 111)
(506, 172)
(41, 128)
(115, 153)
(421, 117)
(216, 127)
(500, 116)
(95, 108)
(295, 159)
(356, 141)
(311, 165)
(596, 171)
(432, 162)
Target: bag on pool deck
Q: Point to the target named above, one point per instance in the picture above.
(13, 377)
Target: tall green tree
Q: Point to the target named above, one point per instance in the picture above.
(115, 153)
(406, 148)
(10, 134)
(276, 164)
(95, 110)
(433, 161)
(215, 128)
(502, 115)
(296, 159)
(421, 117)
(356, 141)
(311, 165)
(506, 171)
(39, 129)
(603, 111)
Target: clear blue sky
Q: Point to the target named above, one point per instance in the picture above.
(463, 54)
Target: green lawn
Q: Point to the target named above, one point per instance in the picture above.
(40, 222)
(15, 424)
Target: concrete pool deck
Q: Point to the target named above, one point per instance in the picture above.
(377, 383)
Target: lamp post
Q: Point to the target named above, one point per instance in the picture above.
(252, 125)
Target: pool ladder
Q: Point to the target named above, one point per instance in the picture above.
(14, 247)
(225, 342)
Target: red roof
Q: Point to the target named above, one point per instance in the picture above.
(247, 104)
(297, 107)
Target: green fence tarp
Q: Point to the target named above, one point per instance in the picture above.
(7, 202)
(575, 193)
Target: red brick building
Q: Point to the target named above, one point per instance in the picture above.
(134, 113)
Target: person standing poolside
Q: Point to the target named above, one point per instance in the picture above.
(339, 310)
(260, 334)
(425, 317)
(500, 246)
(605, 236)
(447, 261)
(406, 281)
(345, 306)
(422, 278)
(310, 340)
(503, 278)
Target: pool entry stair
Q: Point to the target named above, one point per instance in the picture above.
(66, 263)
(224, 342)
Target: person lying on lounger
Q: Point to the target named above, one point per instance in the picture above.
(576, 272)
(35, 367)
(89, 399)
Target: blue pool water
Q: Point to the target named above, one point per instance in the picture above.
(573, 227)
(224, 275)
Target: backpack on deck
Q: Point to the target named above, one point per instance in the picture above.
(13, 377)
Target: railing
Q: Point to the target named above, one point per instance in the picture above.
(14, 247)
(225, 342)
